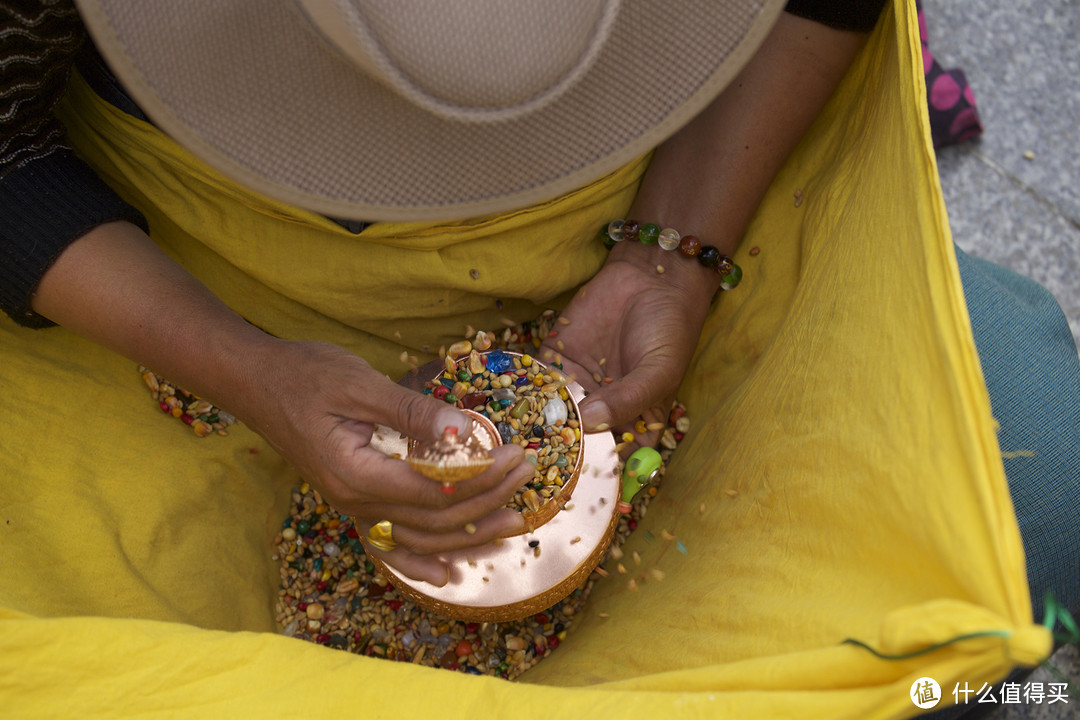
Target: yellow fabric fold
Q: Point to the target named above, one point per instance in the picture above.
(841, 480)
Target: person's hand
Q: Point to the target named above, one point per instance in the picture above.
(630, 337)
(318, 406)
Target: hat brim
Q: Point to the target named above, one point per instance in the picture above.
(251, 90)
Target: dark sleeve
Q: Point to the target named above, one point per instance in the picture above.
(858, 15)
(48, 197)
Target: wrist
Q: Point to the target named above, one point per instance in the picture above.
(685, 260)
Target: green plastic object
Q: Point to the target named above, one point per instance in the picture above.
(641, 467)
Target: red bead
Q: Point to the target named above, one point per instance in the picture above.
(351, 532)
(187, 419)
(553, 642)
(357, 636)
(632, 524)
(472, 628)
(320, 586)
(448, 661)
(471, 400)
(165, 407)
(540, 649)
(301, 606)
(395, 605)
(541, 618)
(690, 246)
(440, 392)
(464, 648)
(553, 333)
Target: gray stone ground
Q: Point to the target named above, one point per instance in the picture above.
(1013, 195)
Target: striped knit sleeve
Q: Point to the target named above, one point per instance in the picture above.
(48, 197)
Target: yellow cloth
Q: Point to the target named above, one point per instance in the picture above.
(842, 479)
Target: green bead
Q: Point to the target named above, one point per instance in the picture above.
(732, 279)
(520, 409)
(464, 375)
(303, 526)
(649, 233)
(450, 398)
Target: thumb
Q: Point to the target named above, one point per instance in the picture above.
(420, 416)
(623, 400)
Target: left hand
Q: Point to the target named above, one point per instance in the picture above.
(639, 328)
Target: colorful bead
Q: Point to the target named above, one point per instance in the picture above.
(649, 233)
(690, 246)
(709, 256)
(498, 362)
(669, 238)
(732, 279)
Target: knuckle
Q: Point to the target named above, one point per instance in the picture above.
(412, 410)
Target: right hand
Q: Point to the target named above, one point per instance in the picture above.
(317, 404)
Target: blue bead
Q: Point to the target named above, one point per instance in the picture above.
(498, 362)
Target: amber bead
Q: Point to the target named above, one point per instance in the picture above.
(689, 246)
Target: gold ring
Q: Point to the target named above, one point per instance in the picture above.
(381, 535)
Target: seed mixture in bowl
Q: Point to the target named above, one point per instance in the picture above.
(528, 404)
(333, 595)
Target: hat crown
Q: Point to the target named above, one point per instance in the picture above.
(468, 59)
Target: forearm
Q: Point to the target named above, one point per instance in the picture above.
(115, 287)
(709, 178)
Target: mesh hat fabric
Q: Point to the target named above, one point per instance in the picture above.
(254, 90)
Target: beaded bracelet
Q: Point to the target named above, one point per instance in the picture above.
(670, 239)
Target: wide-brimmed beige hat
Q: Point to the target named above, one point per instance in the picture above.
(423, 109)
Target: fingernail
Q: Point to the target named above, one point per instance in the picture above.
(595, 416)
(440, 579)
(453, 418)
